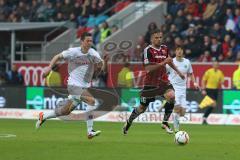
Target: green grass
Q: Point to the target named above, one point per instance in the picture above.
(58, 140)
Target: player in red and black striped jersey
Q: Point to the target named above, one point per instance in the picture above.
(156, 82)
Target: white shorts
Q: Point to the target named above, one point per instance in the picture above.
(75, 92)
(180, 97)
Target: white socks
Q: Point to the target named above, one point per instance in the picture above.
(176, 121)
(89, 125)
(52, 114)
(89, 116)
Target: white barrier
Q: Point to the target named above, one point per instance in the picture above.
(114, 116)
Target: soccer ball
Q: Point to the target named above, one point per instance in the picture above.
(181, 138)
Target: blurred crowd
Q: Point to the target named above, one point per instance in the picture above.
(79, 11)
(207, 30)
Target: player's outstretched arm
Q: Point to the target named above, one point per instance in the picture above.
(153, 67)
(54, 60)
(192, 77)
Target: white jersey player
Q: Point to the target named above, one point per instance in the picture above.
(81, 67)
(180, 85)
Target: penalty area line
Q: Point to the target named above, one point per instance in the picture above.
(6, 135)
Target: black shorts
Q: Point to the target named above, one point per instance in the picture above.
(149, 93)
(213, 93)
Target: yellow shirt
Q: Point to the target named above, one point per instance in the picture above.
(236, 78)
(124, 78)
(54, 79)
(213, 78)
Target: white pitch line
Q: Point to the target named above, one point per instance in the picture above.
(6, 135)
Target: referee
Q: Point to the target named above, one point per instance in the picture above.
(211, 82)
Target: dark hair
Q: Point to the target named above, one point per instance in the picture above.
(155, 31)
(84, 35)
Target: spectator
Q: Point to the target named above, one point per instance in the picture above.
(54, 79)
(180, 20)
(191, 31)
(220, 12)
(125, 78)
(238, 57)
(49, 13)
(13, 17)
(168, 20)
(192, 48)
(77, 9)
(237, 22)
(138, 50)
(234, 49)
(72, 17)
(236, 78)
(59, 17)
(205, 57)
(229, 24)
(101, 79)
(22, 11)
(201, 7)
(2, 79)
(96, 35)
(104, 31)
(178, 42)
(226, 47)
(4, 11)
(102, 6)
(82, 20)
(151, 27)
(206, 45)
(14, 77)
(41, 10)
(191, 8)
(210, 10)
(32, 11)
(217, 31)
(216, 49)
(173, 32)
(114, 29)
(67, 8)
(93, 10)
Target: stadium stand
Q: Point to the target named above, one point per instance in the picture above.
(207, 30)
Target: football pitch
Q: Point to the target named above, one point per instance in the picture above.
(59, 140)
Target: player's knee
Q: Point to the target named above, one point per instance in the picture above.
(170, 95)
(182, 112)
(142, 108)
(177, 109)
(91, 101)
(64, 108)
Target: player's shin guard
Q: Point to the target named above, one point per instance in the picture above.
(168, 111)
(176, 121)
(135, 113)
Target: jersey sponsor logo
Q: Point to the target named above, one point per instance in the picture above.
(161, 57)
(146, 61)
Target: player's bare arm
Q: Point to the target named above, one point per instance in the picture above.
(54, 60)
(153, 67)
(99, 67)
(203, 87)
(192, 77)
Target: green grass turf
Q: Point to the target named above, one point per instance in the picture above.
(58, 140)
